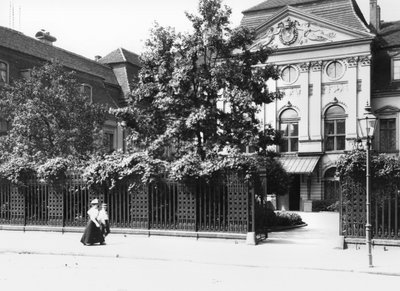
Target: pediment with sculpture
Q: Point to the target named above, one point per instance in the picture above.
(293, 31)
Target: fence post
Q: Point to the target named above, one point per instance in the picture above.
(251, 233)
(340, 209)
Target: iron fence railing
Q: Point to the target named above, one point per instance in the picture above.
(385, 212)
(221, 206)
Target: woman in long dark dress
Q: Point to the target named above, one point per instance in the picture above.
(93, 232)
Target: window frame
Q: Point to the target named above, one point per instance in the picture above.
(391, 117)
(110, 136)
(82, 90)
(335, 118)
(289, 138)
(7, 126)
(7, 72)
(392, 73)
(340, 76)
(290, 82)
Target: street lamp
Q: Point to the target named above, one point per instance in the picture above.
(367, 125)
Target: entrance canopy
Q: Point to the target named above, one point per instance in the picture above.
(299, 165)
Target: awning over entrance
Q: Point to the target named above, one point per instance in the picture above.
(299, 165)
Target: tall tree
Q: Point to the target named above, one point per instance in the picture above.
(199, 92)
(49, 116)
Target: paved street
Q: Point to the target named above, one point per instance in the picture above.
(304, 259)
(43, 272)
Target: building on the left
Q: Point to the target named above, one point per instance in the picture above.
(106, 79)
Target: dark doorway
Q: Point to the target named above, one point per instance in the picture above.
(294, 193)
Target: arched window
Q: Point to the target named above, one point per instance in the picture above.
(3, 73)
(289, 126)
(331, 185)
(335, 129)
(289, 74)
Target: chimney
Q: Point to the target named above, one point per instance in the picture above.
(375, 14)
(45, 37)
(97, 58)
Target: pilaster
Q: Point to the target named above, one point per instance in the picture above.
(304, 80)
(352, 99)
(316, 101)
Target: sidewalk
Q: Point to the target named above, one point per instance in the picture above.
(298, 249)
(270, 254)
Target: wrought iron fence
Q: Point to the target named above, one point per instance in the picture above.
(221, 206)
(385, 212)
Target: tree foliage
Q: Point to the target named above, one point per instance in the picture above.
(198, 94)
(49, 117)
(384, 170)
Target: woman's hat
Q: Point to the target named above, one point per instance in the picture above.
(94, 201)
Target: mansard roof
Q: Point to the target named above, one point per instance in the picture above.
(344, 12)
(277, 4)
(121, 55)
(17, 41)
(389, 34)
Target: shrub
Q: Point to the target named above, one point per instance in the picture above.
(266, 217)
(284, 218)
(17, 170)
(54, 170)
(325, 205)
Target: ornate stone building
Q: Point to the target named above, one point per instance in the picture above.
(332, 64)
(106, 80)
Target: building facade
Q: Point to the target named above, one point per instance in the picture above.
(332, 63)
(106, 80)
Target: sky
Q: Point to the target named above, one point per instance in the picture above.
(97, 27)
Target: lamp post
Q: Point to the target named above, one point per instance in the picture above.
(123, 126)
(367, 126)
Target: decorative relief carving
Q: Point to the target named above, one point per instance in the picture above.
(315, 34)
(316, 66)
(304, 67)
(290, 91)
(352, 62)
(289, 32)
(335, 88)
(365, 61)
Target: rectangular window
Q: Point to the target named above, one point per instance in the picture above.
(335, 135)
(86, 90)
(396, 69)
(387, 135)
(290, 136)
(3, 127)
(3, 73)
(109, 142)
